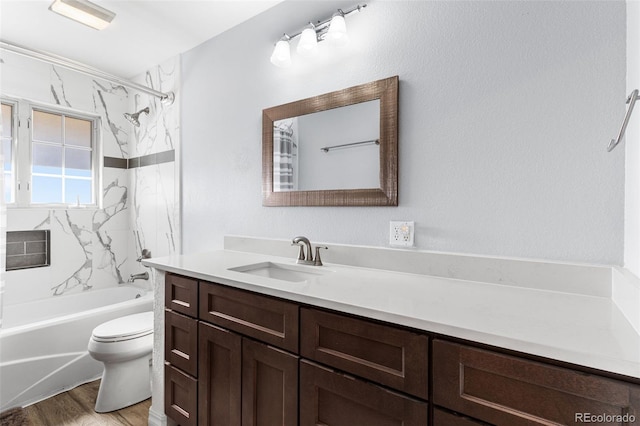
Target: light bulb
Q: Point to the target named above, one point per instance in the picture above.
(337, 34)
(308, 44)
(281, 56)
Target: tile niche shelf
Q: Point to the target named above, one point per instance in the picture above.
(28, 249)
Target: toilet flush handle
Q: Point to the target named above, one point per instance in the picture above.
(146, 254)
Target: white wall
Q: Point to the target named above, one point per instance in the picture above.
(506, 109)
(632, 143)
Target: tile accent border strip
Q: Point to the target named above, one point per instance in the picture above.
(142, 161)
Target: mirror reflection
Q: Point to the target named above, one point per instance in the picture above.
(334, 149)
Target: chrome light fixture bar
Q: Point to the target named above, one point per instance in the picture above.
(165, 98)
(332, 29)
(84, 12)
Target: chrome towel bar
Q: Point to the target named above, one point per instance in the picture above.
(631, 100)
(349, 145)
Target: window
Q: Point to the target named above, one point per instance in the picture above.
(55, 155)
(7, 150)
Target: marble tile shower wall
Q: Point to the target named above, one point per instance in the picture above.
(155, 202)
(90, 248)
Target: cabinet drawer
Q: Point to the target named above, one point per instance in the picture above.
(269, 320)
(445, 418)
(180, 397)
(181, 294)
(393, 357)
(506, 390)
(332, 399)
(181, 342)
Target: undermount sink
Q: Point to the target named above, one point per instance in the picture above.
(279, 271)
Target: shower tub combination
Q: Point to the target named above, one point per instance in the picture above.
(43, 343)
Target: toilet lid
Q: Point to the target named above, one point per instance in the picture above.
(128, 327)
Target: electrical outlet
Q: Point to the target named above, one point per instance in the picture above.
(401, 234)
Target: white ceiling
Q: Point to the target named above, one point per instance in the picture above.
(143, 33)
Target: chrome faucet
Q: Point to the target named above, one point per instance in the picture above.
(140, 276)
(308, 258)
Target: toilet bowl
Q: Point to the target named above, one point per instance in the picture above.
(124, 345)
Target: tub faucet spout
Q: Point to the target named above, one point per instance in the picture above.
(140, 276)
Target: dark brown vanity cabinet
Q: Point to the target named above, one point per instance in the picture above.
(181, 295)
(445, 418)
(386, 356)
(250, 369)
(506, 390)
(237, 358)
(272, 321)
(248, 363)
(269, 385)
(181, 350)
(332, 398)
(244, 382)
(220, 372)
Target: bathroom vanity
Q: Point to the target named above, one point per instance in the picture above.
(359, 346)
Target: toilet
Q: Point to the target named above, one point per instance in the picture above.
(124, 345)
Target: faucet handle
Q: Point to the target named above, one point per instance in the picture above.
(318, 261)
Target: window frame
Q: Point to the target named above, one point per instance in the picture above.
(22, 160)
(14, 143)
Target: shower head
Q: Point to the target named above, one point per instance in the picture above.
(133, 118)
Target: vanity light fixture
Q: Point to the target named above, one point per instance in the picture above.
(281, 55)
(337, 34)
(83, 11)
(333, 29)
(308, 44)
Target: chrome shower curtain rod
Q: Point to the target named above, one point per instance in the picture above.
(165, 98)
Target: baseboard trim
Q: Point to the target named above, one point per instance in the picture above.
(157, 419)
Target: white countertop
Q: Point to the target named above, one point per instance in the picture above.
(579, 329)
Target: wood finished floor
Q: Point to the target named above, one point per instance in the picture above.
(75, 408)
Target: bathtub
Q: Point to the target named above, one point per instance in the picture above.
(43, 343)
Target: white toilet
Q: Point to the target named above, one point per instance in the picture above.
(124, 345)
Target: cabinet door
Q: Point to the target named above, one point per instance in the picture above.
(219, 376)
(180, 396)
(181, 294)
(387, 355)
(511, 391)
(269, 320)
(331, 399)
(269, 386)
(181, 342)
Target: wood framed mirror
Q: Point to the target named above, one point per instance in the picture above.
(335, 149)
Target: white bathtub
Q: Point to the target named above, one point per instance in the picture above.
(43, 344)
